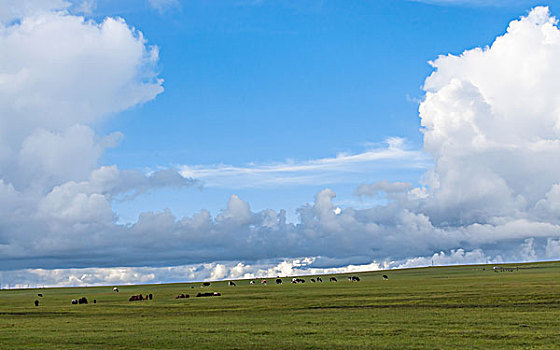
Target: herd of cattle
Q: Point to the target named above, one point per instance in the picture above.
(296, 281)
(140, 297)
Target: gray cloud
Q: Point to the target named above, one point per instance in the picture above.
(389, 188)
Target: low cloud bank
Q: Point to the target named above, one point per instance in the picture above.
(268, 268)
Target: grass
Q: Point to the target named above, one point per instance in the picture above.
(468, 307)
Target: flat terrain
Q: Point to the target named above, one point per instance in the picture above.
(460, 307)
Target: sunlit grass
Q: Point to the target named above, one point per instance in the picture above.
(430, 308)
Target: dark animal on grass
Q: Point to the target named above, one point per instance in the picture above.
(206, 284)
(95, 301)
(115, 289)
(231, 284)
(136, 298)
(40, 294)
(385, 277)
(312, 280)
(82, 300)
(333, 279)
(354, 279)
(319, 279)
(150, 296)
(74, 301)
(36, 302)
(278, 281)
(208, 294)
(182, 296)
(298, 280)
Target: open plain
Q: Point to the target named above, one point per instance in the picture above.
(468, 307)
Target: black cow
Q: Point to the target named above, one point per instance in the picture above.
(150, 296)
(385, 277)
(40, 294)
(231, 284)
(206, 284)
(82, 300)
(278, 281)
(354, 279)
(319, 279)
(136, 298)
(333, 279)
(36, 302)
(74, 301)
(312, 280)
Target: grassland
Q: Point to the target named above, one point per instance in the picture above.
(461, 307)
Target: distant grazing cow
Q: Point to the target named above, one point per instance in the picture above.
(206, 284)
(150, 296)
(231, 284)
(312, 280)
(263, 282)
(95, 301)
(208, 294)
(298, 280)
(136, 298)
(354, 279)
(74, 301)
(40, 294)
(182, 296)
(82, 300)
(385, 277)
(319, 279)
(115, 289)
(36, 302)
(333, 279)
(278, 281)
(252, 282)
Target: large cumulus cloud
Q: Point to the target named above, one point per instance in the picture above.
(60, 75)
(490, 119)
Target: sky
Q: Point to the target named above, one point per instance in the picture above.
(150, 141)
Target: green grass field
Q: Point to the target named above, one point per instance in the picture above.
(460, 307)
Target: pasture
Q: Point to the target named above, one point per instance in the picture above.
(466, 307)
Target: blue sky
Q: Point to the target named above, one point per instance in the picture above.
(267, 81)
(149, 140)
